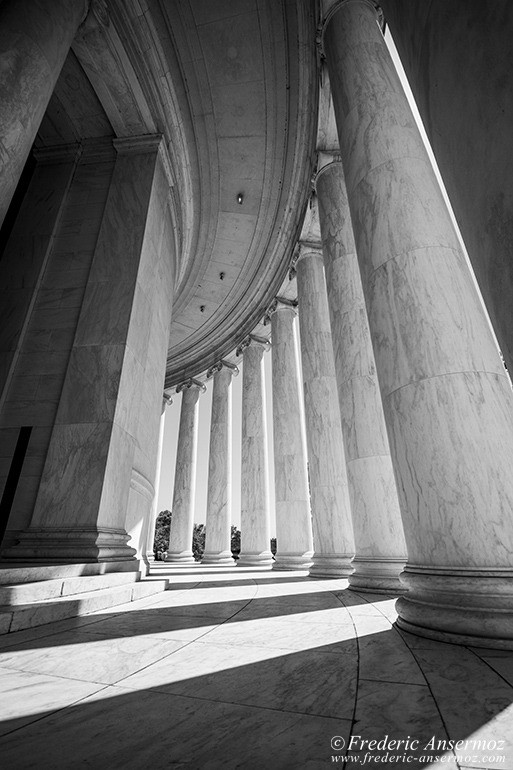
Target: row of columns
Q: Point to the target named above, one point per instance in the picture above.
(420, 450)
(314, 498)
(447, 401)
(426, 408)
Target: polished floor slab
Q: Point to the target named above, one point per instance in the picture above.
(241, 669)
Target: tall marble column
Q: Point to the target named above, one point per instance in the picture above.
(293, 520)
(218, 550)
(254, 518)
(331, 511)
(35, 39)
(447, 401)
(97, 480)
(182, 518)
(379, 538)
(150, 539)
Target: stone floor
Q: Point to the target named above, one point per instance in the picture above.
(240, 669)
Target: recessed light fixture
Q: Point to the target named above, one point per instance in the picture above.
(240, 198)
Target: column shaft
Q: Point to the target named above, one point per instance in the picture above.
(447, 401)
(378, 530)
(150, 554)
(219, 509)
(182, 514)
(35, 39)
(331, 513)
(254, 524)
(293, 521)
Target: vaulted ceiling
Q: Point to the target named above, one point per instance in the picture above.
(233, 88)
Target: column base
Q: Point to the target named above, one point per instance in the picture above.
(218, 559)
(378, 576)
(70, 546)
(258, 560)
(458, 605)
(180, 559)
(292, 561)
(331, 565)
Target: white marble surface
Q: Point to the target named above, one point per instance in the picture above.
(378, 531)
(255, 515)
(182, 521)
(447, 401)
(152, 519)
(219, 490)
(105, 436)
(35, 43)
(331, 511)
(293, 520)
(297, 662)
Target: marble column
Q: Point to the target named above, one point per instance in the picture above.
(447, 401)
(97, 480)
(379, 538)
(293, 520)
(254, 518)
(182, 518)
(35, 39)
(150, 554)
(218, 551)
(331, 511)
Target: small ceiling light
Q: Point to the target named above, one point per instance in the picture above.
(221, 276)
(240, 198)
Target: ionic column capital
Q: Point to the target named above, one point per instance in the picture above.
(191, 383)
(327, 161)
(330, 8)
(222, 364)
(280, 304)
(307, 249)
(166, 400)
(253, 339)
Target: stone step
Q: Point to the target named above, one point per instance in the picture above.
(16, 572)
(21, 616)
(28, 593)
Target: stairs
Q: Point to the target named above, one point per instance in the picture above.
(32, 596)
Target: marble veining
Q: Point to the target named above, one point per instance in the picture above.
(293, 523)
(331, 512)
(275, 687)
(447, 401)
(182, 523)
(379, 538)
(255, 516)
(218, 519)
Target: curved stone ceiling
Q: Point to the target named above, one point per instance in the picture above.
(233, 88)
(250, 71)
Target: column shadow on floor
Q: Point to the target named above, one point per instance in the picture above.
(171, 614)
(218, 705)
